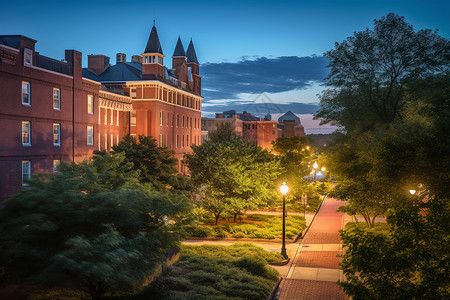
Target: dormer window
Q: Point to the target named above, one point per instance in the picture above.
(27, 57)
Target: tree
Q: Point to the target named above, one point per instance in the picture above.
(232, 174)
(156, 164)
(371, 70)
(91, 226)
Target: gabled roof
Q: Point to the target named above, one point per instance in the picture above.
(119, 72)
(190, 54)
(179, 49)
(153, 44)
(289, 117)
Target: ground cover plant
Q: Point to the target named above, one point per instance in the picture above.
(254, 226)
(239, 271)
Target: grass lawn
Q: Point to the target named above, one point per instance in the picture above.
(254, 226)
(239, 271)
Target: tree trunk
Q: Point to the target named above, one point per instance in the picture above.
(217, 217)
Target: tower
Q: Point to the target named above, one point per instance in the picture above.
(195, 80)
(153, 57)
(179, 62)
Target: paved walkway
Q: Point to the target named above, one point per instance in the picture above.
(314, 269)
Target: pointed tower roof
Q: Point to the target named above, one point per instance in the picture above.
(190, 54)
(153, 44)
(179, 49)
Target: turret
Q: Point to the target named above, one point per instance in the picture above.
(195, 80)
(179, 62)
(153, 57)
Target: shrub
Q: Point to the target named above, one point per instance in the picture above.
(220, 232)
(239, 235)
(199, 231)
(256, 266)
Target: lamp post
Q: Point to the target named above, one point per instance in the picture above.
(315, 166)
(284, 189)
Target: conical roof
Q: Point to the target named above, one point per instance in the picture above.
(153, 44)
(190, 54)
(289, 117)
(179, 49)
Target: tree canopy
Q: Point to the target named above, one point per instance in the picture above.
(91, 226)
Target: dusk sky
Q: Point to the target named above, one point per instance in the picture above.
(245, 48)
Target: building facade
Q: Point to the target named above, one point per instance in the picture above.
(166, 102)
(55, 111)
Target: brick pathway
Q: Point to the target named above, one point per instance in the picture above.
(315, 268)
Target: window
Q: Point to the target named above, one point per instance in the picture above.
(182, 142)
(176, 145)
(106, 141)
(91, 105)
(26, 172)
(187, 140)
(111, 120)
(99, 144)
(160, 140)
(99, 115)
(105, 117)
(56, 134)
(90, 135)
(56, 163)
(182, 124)
(173, 120)
(167, 140)
(117, 118)
(133, 135)
(190, 122)
(178, 120)
(56, 99)
(27, 57)
(167, 119)
(26, 133)
(26, 93)
(112, 141)
(160, 118)
(133, 118)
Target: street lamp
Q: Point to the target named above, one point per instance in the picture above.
(412, 192)
(315, 166)
(284, 189)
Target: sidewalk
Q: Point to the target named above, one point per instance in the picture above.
(315, 267)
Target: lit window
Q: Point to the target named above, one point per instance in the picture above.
(112, 141)
(56, 99)
(26, 93)
(160, 140)
(26, 172)
(133, 118)
(111, 119)
(27, 57)
(117, 118)
(99, 115)
(133, 135)
(56, 134)
(117, 139)
(105, 117)
(160, 118)
(99, 144)
(26, 133)
(90, 135)
(91, 105)
(56, 163)
(106, 141)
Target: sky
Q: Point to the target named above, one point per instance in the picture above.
(246, 49)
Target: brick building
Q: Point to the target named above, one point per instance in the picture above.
(55, 111)
(261, 131)
(49, 112)
(166, 102)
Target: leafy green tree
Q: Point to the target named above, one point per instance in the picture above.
(156, 164)
(91, 226)
(371, 70)
(232, 174)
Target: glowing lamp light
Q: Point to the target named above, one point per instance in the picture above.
(412, 192)
(315, 165)
(307, 147)
(284, 188)
(323, 169)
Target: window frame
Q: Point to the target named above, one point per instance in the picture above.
(91, 135)
(56, 164)
(28, 133)
(28, 173)
(90, 105)
(59, 99)
(58, 143)
(28, 85)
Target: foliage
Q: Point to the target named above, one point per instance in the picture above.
(254, 226)
(91, 226)
(239, 271)
(156, 164)
(408, 260)
(232, 175)
(371, 71)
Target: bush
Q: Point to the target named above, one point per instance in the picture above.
(239, 235)
(220, 232)
(199, 231)
(256, 266)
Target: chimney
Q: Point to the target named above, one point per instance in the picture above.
(121, 58)
(97, 64)
(136, 59)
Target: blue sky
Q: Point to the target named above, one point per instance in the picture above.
(243, 36)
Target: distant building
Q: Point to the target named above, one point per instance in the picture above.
(290, 125)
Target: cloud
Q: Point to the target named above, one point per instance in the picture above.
(255, 75)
